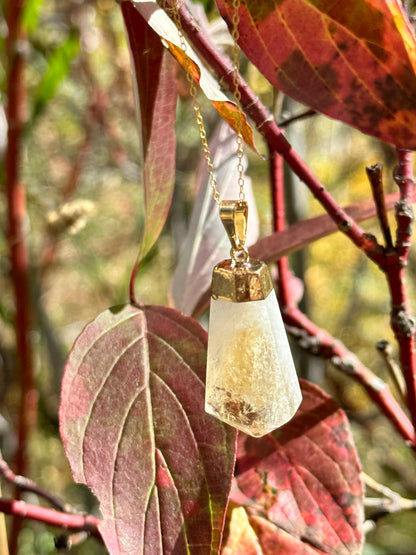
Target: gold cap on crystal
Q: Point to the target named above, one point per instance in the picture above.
(239, 283)
(239, 279)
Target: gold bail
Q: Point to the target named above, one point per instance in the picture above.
(234, 214)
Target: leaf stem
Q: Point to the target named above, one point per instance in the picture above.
(132, 294)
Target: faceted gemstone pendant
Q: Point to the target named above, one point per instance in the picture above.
(251, 380)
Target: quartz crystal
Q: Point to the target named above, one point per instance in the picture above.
(251, 379)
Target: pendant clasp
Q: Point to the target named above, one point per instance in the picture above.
(234, 214)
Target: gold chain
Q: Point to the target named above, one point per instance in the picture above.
(199, 118)
(237, 94)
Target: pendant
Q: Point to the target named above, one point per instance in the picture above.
(251, 381)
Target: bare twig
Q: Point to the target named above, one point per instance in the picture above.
(391, 502)
(297, 117)
(386, 351)
(320, 343)
(375, 176)
(25, 484)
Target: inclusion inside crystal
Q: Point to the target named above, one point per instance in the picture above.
(251, 379)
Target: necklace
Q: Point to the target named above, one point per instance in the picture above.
(251, 380)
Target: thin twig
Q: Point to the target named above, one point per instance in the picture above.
(297, 117)
(375, 176)
(391, 502)
(25, 484)
(319, 342)
(386, 351)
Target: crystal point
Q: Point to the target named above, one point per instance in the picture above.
(251, 379)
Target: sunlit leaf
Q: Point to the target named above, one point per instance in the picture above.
(154, 80)
(189, 60)
(134, 429)
(242, 539)
(206, 242)
(354, 61)
(301, 485)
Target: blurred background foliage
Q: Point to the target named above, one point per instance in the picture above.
(81, 168)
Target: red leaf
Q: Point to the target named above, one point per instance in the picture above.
(301, 485)
(354, 61)
(135, 431)
(154, 79)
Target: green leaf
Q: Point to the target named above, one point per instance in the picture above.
(59, 63)
(31, 13)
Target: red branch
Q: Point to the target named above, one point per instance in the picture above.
(402, 323)
(16, 198)
(51, 517)
(16, 218)
(276, 141)
(320, 343)
(279, 224)
(25, 484)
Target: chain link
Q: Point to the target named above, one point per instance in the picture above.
(199, 118)
(237, 95)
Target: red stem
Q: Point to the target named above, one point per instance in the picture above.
(24, 484)
(279, 224)
(318, 340)
(321, 343)
(16, 215)
(133, 276)
(402, 323)
(49, 516)
(375, 176)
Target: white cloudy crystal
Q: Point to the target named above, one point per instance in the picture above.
(251, 379)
